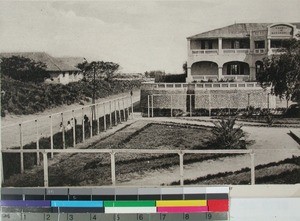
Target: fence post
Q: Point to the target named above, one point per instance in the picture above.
(116, 117)
(131, 100)
(104, 117)
(124, 109)
(83, 127)
(181, 168)
(2, 170)
(37, 142)
(51, 136)
(119, 111)
(252, 169)
(74, 128)
(113, 168)
(152, 111)
(46, 177)
(209, 104)
(229, 103)
(171, 105)
(190, 105)
(98, 119)
(21, 149)
(148, 105)
(91, 121)
(63, 131)
(110, 114)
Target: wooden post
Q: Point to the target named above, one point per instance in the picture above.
(104, 117)
(171, 105)
(252, 169)
(46, 177)
(74, 129)
(209, 104)
(124, 109)
(148, 105)
(131, 100)
(152, 112)
(83, 127)
(98, 119)
(21, 149)
(91, 122)
(63, 131)
(110, 114)
(51, 136)
(2, 170)
(113, 168)
(119, 111)
(190, 105)
(116, 117)
(181, 168)
(37, 142)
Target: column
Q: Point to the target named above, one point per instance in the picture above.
(220, 74)
(189, 77)
(269, 47)
(252, 75)
(220, 46)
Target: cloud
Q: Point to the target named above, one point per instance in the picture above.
(139, 35)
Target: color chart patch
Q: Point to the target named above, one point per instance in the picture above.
(167, 203)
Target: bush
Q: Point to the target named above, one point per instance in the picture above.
(227, 136)
(29, 98)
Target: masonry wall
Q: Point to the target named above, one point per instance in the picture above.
(178, 99)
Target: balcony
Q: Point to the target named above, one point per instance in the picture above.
(206, 51)
(236, 51)
(259, 51)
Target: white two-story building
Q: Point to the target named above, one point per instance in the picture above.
(235, 52)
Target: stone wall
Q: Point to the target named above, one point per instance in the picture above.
(177, 98)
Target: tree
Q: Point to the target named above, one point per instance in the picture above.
(24, 69)
(184, 67)
(101, 69)
(282, 72)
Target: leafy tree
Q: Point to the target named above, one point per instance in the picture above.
(184, 67)
(282, 72)
(101, 69)
(24, 69)
(227, 135)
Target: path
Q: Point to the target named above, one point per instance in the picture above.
(271, 145)
(10, 135)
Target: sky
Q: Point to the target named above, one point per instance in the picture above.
(139, 35)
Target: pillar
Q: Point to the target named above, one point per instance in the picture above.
(189, 77)
(252, 75)
(220, 46)
(220, 74)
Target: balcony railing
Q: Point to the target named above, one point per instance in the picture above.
(236, 51)
(259, 51)
(207, 51)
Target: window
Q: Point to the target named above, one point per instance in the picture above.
(208, 44)
(276, 44)
(259, 44)
(235, 69)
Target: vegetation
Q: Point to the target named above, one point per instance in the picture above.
(227, 135)
(23, 69)
(282, 72)
(29, 98)
(100, 69)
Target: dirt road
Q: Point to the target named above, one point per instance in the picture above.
(10, 129)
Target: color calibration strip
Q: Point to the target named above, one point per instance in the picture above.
(130, 204)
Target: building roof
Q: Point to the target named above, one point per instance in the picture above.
(53, 64)
(239, 30)
(72, 61)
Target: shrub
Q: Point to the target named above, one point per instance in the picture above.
(227, 136)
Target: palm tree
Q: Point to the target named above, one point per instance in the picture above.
(227, 135)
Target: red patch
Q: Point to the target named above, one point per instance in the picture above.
(218, 205)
